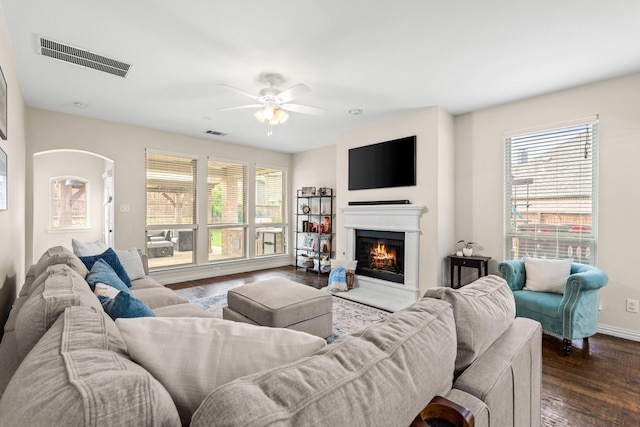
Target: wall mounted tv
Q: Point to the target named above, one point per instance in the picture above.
(383, 165)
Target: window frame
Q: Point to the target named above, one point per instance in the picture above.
(87, 204)
(279, 228)
(549, 237)
(230, 226)
(174, 228)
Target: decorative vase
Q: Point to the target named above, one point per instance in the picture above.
(467, 251)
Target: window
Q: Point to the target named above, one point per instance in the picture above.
(551, 193)
(269, 211)
(69, 207)
(226, 217)
(171, 209)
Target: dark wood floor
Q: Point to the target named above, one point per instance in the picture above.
(598, 385)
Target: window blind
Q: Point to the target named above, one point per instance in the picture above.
(226, 192)
(270, 193)
(551, 193)
(170, 189)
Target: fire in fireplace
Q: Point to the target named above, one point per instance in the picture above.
(380, 254)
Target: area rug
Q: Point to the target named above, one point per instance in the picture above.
(348, 316)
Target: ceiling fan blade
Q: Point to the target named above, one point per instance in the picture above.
(304, 109)
(250, 95)
(293, 92)
(241, 107)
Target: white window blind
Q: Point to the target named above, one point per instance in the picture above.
(551, 193)
(227, 204)
(227, 192)
(171, 189)
(270, 211)
(270, 195)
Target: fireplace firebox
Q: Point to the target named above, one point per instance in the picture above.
(380, 254)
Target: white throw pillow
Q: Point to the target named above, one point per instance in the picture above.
(348, 265)
(193, 356)
(130, 260)
(88, 248)
(547, 275)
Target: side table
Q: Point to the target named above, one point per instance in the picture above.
(479, 262)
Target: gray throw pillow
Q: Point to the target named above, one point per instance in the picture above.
(483, 310)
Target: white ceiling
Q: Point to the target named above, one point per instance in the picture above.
(384, 57)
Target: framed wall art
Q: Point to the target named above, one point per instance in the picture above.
(3, 180)
(3, 106)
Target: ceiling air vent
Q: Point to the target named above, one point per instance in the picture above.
(216, 133)
(82, 57)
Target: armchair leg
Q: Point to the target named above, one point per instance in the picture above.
(566, 346)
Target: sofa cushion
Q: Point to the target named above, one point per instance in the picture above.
(62, 288)
(382, 376)
(158, 296)
(182, 310)
(546, 275)
(483, 310)
(204, 353)
(59, 255)
(111, 258)
(9, 359)
(120, 304)
(143, 283)
(101, 272)
(77, 375)
(28, 281)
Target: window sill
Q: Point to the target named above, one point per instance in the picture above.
(68, 230)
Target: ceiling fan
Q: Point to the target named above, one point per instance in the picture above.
(275, 103)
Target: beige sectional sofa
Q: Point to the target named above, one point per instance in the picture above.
(65, 362)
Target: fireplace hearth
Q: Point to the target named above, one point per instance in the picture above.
(388, 254)
(380, 254)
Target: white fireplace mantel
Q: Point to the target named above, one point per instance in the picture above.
(401, 218)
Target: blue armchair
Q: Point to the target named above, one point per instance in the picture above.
(573, 315)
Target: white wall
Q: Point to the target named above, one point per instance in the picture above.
(479, 180)
(66, 163)
(433, 128)
(313, 168)
(12, 249)
(126, 145)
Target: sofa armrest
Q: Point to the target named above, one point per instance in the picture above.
(145, 261)
(586, 278)
(514, 273)
(442, 409)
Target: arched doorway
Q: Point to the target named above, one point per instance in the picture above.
(72, 198)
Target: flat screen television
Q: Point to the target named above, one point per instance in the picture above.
(383, 165)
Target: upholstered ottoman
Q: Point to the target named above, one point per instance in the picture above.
(281, 303)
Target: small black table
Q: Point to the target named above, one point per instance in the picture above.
(476, 261)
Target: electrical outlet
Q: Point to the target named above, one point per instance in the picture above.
(125, 208)
(632, 305)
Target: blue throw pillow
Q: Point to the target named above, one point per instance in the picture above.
(101, 272)
(112, 259)
(119, 304)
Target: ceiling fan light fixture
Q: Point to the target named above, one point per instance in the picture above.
(274, 116)
(268, 112)
(279, 116)
(258, 115)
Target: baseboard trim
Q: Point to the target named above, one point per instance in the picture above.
(206, 271)
(619, 332)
